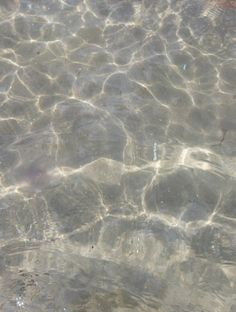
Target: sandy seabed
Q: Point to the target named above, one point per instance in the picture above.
(117, 156)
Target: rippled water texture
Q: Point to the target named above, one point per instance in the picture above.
(117, 156)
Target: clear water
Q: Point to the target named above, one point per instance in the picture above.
(117, 156)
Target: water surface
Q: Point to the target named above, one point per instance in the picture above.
(117, 156)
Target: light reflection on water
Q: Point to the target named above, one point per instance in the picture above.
(117, 155)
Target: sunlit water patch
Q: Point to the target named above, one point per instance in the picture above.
(117, 155)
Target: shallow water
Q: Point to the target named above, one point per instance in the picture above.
(117, 156)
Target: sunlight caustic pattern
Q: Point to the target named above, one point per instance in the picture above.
(117, 155)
